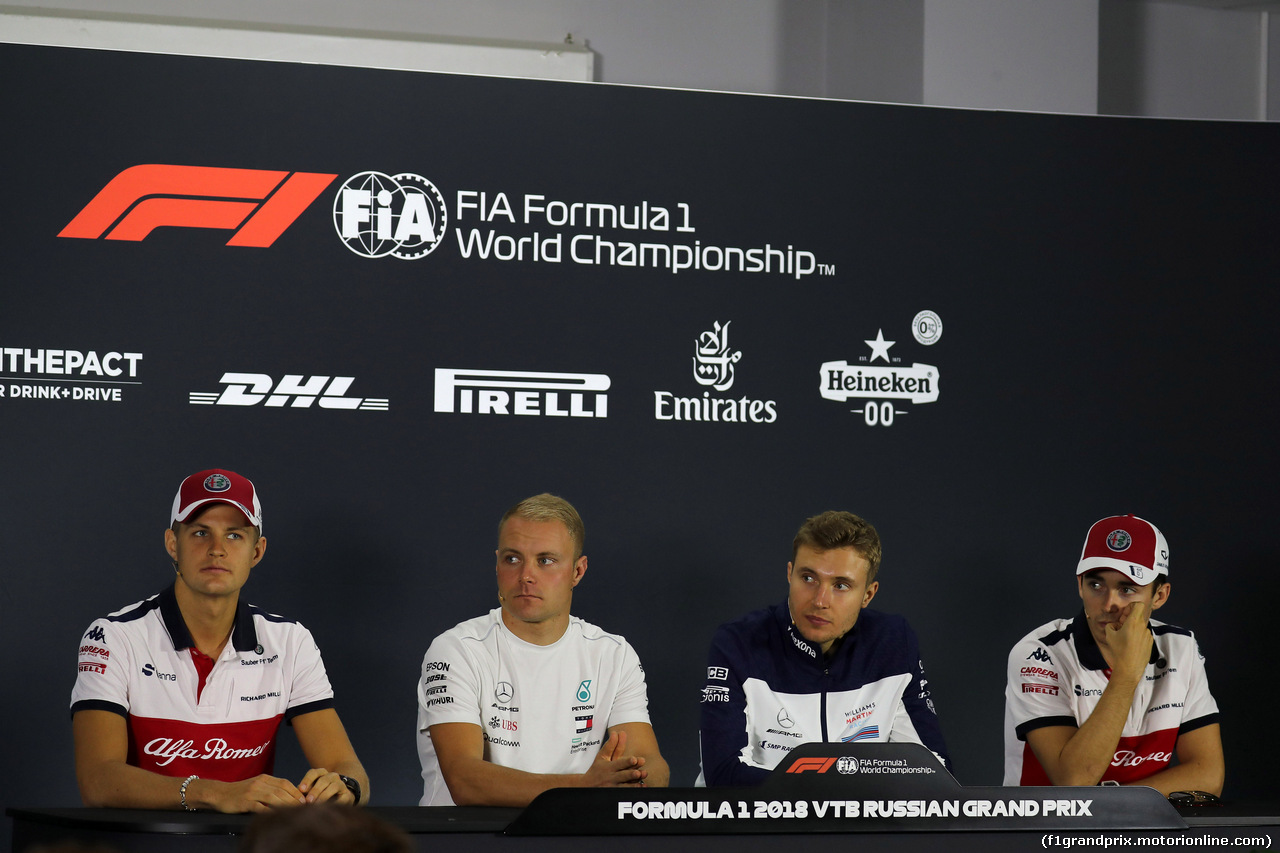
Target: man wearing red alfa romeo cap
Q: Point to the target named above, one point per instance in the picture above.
(179, 698)
(1111, 696)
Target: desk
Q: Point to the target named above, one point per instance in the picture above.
(465, 830)
(890, 797)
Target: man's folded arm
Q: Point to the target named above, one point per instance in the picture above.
(473, 781)
(1200, 766)
(107, 780)
(326, 746)
(643, 743)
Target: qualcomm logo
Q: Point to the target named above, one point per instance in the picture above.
(521, 392)
(880, 385)
(714, 364)
(250, 389)
(402, 215)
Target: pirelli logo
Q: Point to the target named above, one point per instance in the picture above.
(257, 204)
(521, 392)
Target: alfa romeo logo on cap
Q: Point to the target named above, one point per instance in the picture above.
(1118, 540)
(216, 483)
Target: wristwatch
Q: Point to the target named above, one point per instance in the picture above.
(353, 786)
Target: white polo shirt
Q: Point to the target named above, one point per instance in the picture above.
(1057, 674)
(137, 663)
(543, 709)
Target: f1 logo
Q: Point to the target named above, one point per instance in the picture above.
(142, 198)
(817, 765)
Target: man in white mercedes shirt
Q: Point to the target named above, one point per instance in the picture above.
(179, 698)
(528, 698)
(1112, 696)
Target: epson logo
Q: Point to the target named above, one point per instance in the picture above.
(521, 392)
(250, 389)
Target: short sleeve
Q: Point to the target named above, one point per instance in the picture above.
(1200, 708)
(102, 671)
(309, 687)
(448, 688)
(631, 705)
(1033, 692)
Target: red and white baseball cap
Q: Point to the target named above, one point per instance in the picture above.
(1132, 546)
(216, 486)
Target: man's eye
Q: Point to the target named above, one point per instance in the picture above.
(546, 561)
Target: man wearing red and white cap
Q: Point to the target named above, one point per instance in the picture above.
(179, 698)
(1111, 696)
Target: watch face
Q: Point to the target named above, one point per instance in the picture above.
(352, 785)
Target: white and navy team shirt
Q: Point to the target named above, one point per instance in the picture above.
(543, 709)
(1057, 675)
(768, 690)
(137, 662)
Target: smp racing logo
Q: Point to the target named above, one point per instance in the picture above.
(256, 204)
(401, 216)
(880, 388)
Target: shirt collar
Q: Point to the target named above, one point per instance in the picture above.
(244, 637)
(1087, 647)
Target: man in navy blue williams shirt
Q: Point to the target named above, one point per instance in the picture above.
(816, 667)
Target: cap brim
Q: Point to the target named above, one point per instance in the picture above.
(184, 515)
(1141, 575)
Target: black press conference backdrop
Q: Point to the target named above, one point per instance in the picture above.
(402, 301)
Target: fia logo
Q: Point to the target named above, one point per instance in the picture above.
(250, 389)
(584, 691)
(712, 359)
(402, 215)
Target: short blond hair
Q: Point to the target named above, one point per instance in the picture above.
(548, 507)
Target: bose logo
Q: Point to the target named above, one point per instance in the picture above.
(142, 198)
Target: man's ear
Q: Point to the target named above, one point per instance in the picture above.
(1161, 595)
(259, 548)
(171, 543)
(579, 569)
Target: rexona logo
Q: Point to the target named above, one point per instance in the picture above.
(293, 390)
(714, 365)
(521, 392)
(402, 216)
(257, 204)
(879, 387)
